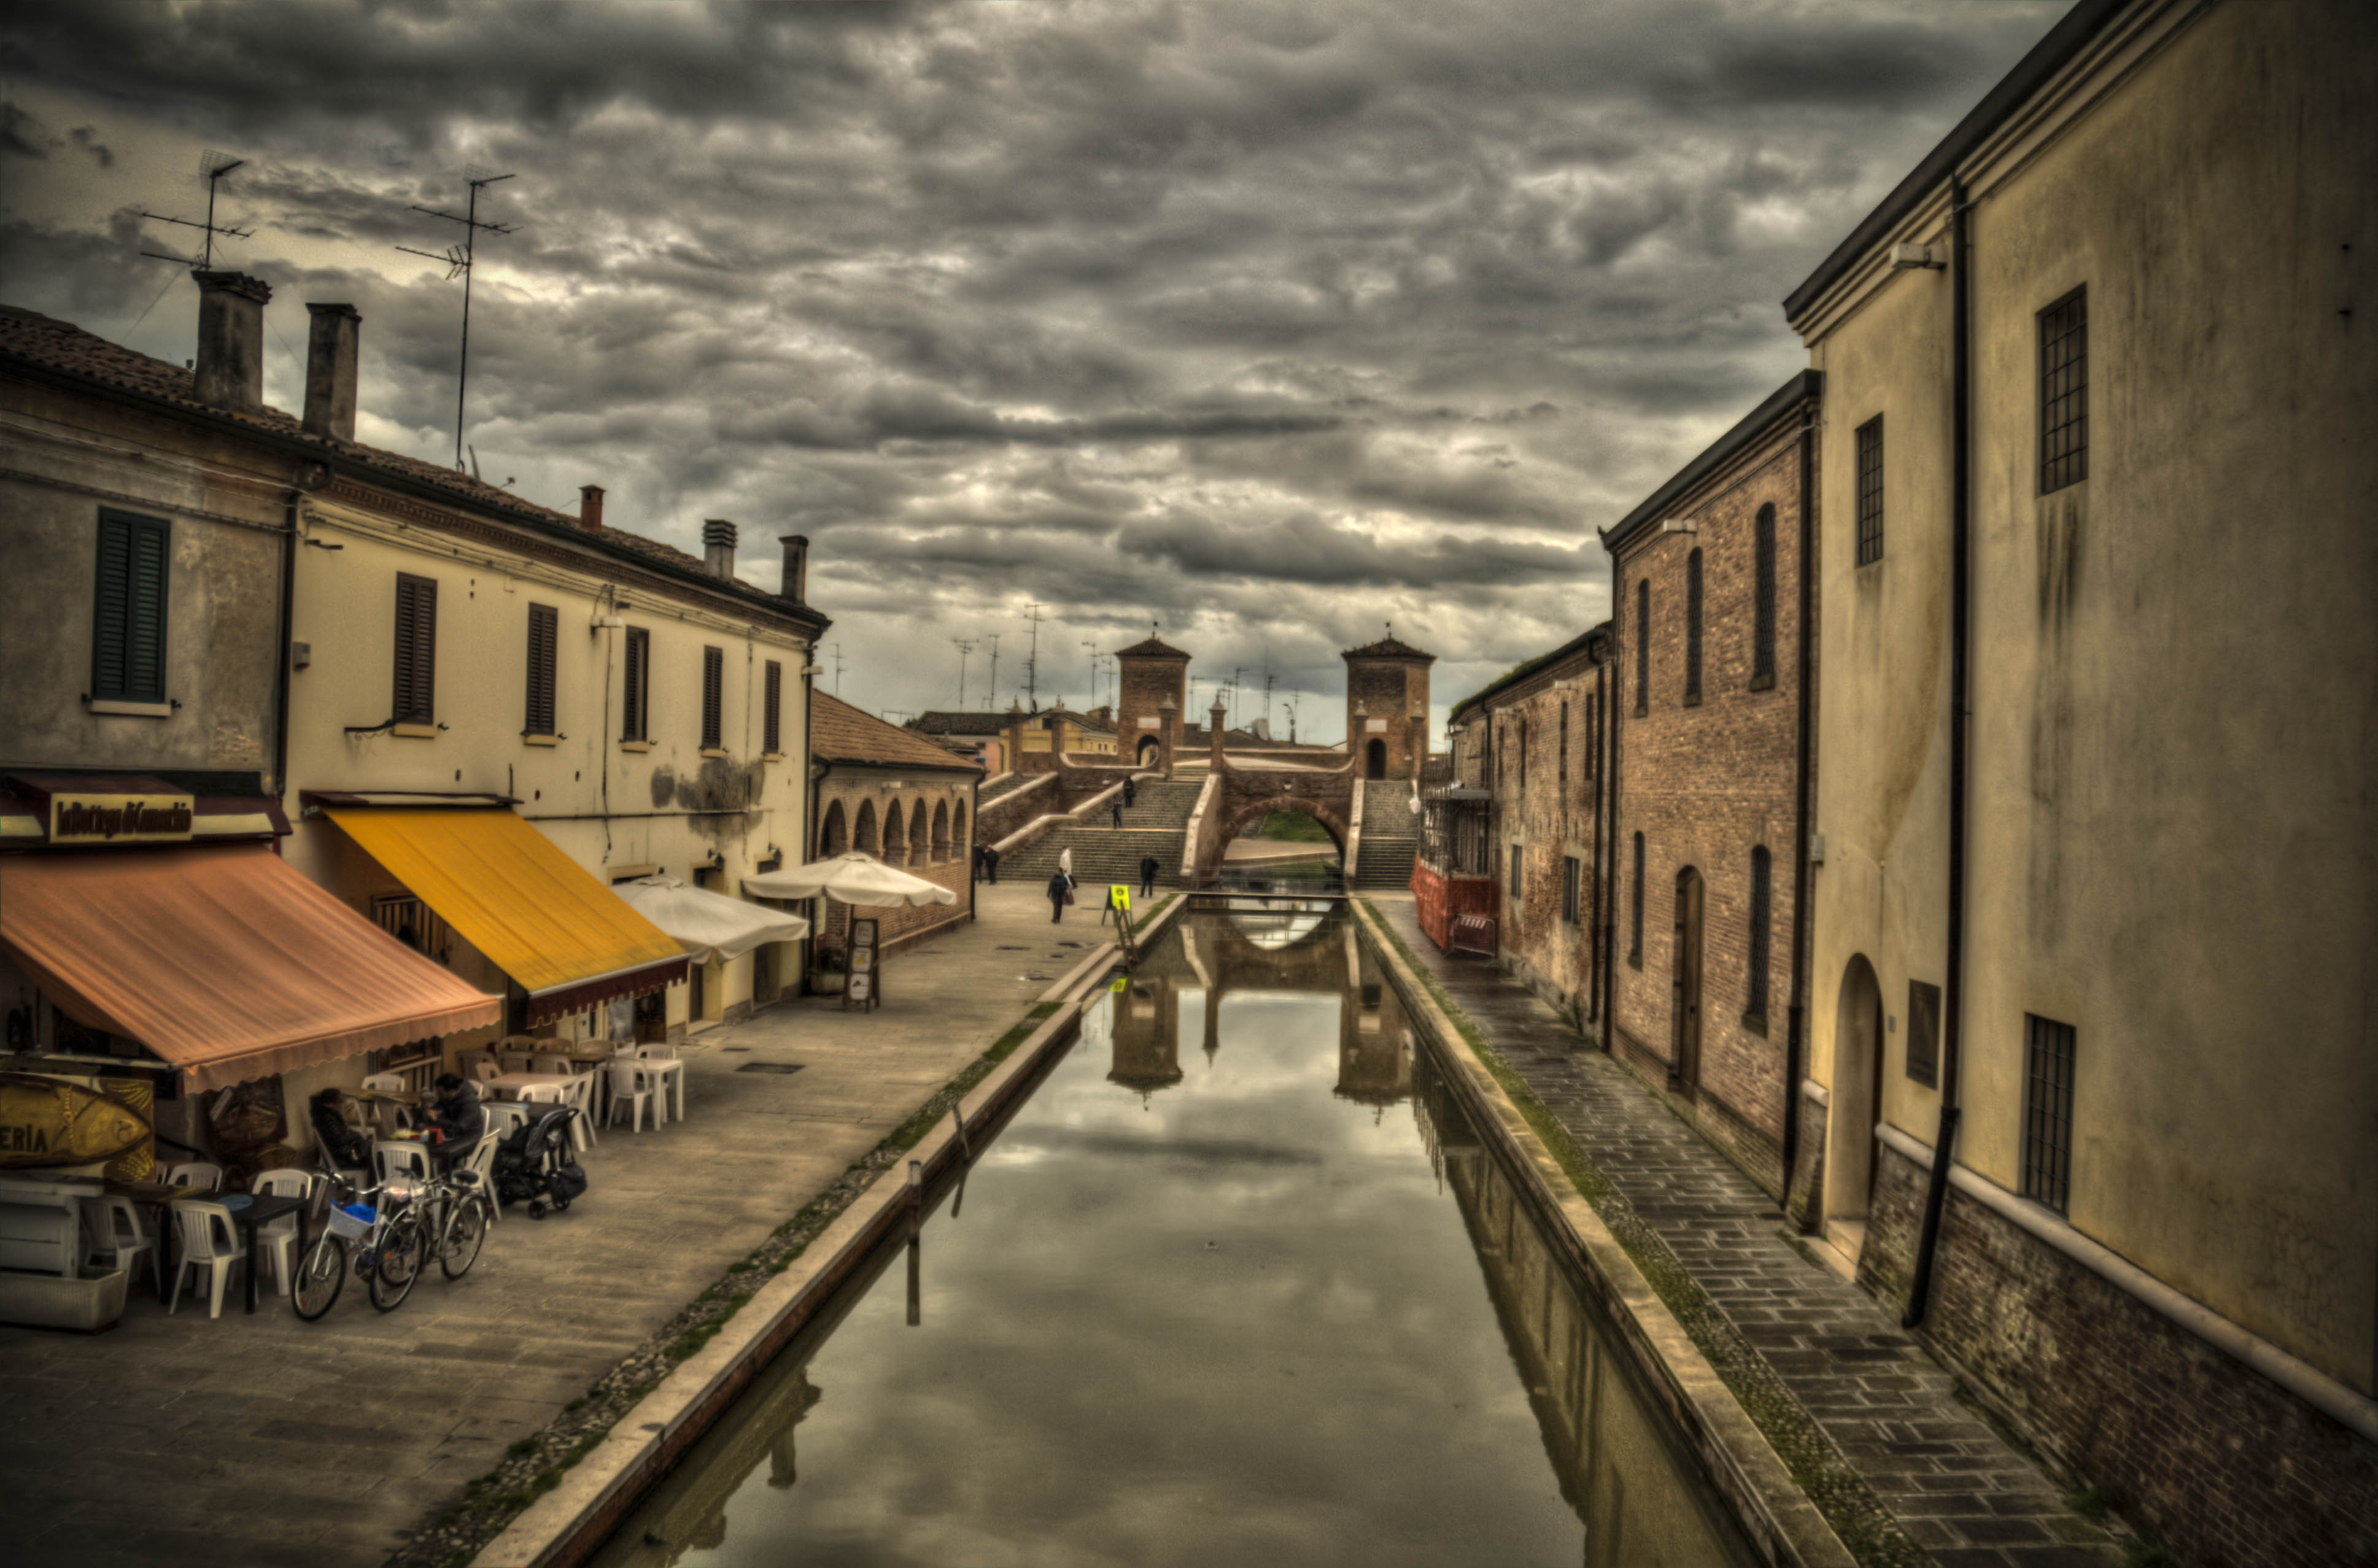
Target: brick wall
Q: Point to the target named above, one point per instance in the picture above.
(2221, 1464)
(1706, 782)
(1145, 684)
(953, 870)
(1385, 690)
(1550, 817)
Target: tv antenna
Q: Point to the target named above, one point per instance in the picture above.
(992, 695)
(836, 651)
(457, 258)
(1032, 661)
(964, 647)
(1092, 649)
(212, 167)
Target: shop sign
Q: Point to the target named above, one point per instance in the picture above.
(120, 819)
(47, 1122)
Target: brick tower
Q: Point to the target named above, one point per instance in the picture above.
(1386, 707)
(1155, 693)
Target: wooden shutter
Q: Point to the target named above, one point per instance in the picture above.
(714, 677)
(1693, 627)
(416, 701)
(543, 640)
(639, 672)
(772, 720)
(127, 643)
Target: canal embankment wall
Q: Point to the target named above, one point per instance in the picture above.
(566, 1526)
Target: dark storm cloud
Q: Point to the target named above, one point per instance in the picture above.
(1268, 321)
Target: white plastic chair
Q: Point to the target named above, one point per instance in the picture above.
(657, 1053)
(517, 1061)
(629, 1092)
(120, 1239)
(195, 1173)
(486, 1071)
(481, 1167)
(390, 1082)
(578, 1095)
(394, 1156)
(209, 1242)
(278, 1238)
(549, 1062)
(504, 1118)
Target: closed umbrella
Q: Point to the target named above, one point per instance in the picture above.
(711, 926)
(854, 878)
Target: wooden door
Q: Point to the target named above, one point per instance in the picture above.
(1685, 964)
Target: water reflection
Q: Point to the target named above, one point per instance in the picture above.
(1219, 1315)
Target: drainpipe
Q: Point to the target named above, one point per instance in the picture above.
(1602, 711)
(1960, 617)
(1794, 1039)
(288, 629)
(1611, 714)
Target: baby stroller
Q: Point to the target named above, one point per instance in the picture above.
(534, 1164)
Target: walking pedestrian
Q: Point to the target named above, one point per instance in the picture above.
(977, 862)
(1117, 808)
(990, 863)
(1060, 887)
(1130, 793)
(1147, 870)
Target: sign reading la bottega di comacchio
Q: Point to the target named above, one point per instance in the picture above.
(119, 819)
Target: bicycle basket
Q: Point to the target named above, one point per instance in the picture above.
(352, 1221)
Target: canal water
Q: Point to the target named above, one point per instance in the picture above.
(1238, 1284)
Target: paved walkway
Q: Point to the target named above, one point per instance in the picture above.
(1953, 1485)
(264, 1441)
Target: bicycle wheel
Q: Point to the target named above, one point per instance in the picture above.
(320, 1277)
(466, 1231)
(401, 1250)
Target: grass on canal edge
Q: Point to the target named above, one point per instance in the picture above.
(535, 1465)
(1141, 923)
(1856, 1512)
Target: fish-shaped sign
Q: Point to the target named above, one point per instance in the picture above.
(55, 1121)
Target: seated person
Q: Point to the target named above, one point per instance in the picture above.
(454, 1112)
(345, 1147)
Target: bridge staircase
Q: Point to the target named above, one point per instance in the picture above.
(1158, 824)
(992, 794)
(1390, 836)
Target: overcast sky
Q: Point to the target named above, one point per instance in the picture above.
(1269, 320)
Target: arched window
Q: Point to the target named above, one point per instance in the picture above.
(895, 837)
(1642, 645)
(1635, 933)
(1762, 625)
(864, 839)
(836, 838)
(941, 831)
(959, 829)
(1693, 628)
(1761, 872)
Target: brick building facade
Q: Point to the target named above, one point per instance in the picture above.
(1386, 707)
(1150, 706)
(902, 798)
(1705, 580)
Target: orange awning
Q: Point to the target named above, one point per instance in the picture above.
(224, 962)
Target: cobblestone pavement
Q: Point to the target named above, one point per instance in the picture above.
(256, 1441)
(1953, 1484)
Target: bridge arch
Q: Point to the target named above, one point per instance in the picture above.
(1240, 813)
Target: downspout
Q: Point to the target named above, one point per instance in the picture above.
(1795, 1017)
(1960, 617)
(1602, 715)
(288, 629)
(1612, 713)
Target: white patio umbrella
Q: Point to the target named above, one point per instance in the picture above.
(856, 877)
(710, 924)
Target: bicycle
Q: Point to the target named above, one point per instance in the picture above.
(390, 1249)
(457, 1208)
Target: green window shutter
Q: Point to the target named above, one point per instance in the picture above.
(127, 642)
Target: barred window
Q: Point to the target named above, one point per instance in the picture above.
(713, 687)
(543, 637)
(1635, 934)
(1924, 1033)
(2065, 391)
(1570, 870)
(1642, 645)
(1692, 628)
(2047, 1112)
(1762, 602)
(1761, 902)
(1869, 491)
(1563, 742)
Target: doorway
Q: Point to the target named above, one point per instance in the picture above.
(1148, 749)
(1853, 1154)
(1376, 765)
(1685, 978)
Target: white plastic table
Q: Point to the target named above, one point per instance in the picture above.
(670, 1071)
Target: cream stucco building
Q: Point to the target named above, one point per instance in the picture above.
(2095, 801)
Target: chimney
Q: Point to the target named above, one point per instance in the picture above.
(331, 352)
(718, 548)
(231, 340)
(796, 586)
(590, 507)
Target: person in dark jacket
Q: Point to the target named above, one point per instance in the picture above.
(347, 1149)
(1117, 806)
(1060, 885)
(978, 852)
(1130, 793)
(990, 863)
(1147, 870)
(456, 1113)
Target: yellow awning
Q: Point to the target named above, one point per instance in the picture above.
(538, 916)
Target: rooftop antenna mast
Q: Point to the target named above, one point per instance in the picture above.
(837, 671)
(964, 648)
(212, 167)
(457, 258)
(1092, 649)
(992, 695)
(1032, 660)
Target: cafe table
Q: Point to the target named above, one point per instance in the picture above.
(259, 1211)
(159, 1198)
